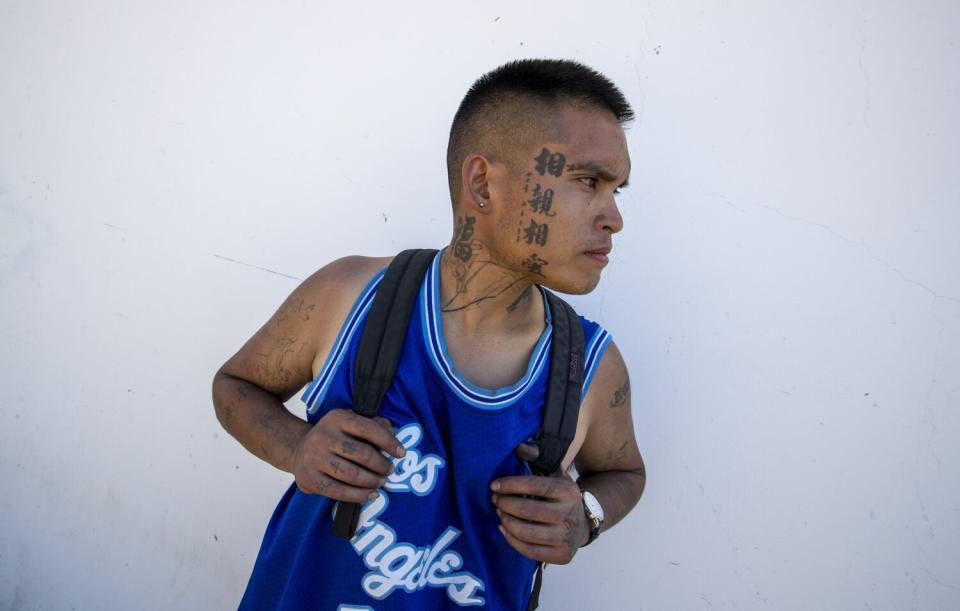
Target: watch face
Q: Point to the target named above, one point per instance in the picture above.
(593, 504)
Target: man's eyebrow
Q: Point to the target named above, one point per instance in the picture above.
(602, 171)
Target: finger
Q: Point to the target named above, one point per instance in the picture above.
(556, 488)
(528, 452)
(365, 428)
(533, 551)
(351, 474)
(530, 532)
(532, 510)
(363, 454)
(324, 485)
(384, 423)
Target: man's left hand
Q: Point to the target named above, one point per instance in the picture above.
(541, 517)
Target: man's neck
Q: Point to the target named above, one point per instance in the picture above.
(479, 294)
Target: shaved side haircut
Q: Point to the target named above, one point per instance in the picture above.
(508, 108)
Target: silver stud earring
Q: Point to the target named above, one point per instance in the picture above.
(482, 204)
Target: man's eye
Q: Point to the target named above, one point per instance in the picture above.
(590, 181)
(618, 191)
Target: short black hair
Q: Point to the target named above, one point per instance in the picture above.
(509, 102)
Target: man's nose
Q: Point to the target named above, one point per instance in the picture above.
(609, 217)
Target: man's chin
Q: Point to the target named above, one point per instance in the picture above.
(573, 286)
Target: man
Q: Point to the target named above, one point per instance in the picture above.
(451, 516)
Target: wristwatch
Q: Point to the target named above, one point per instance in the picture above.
(591, 506)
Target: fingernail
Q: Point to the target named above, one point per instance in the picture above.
(499, 514)
(401, 452)
(383, 482)
(373, 495)
(503, 532)
(494, 497)
(495, 485)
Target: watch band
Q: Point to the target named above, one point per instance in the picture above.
(595, 521)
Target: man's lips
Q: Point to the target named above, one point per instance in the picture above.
(599, 254)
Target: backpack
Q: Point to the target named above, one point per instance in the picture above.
(381, 344)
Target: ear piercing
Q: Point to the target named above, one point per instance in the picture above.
(482, 204)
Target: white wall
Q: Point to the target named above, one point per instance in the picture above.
(786, 291)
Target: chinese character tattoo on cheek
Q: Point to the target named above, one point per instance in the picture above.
(534, 264)
(542, 201)
(536, 232)
(537, 206)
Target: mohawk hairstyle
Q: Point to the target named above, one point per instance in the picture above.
(507, 107)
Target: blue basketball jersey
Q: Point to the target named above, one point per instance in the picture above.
(430, 538)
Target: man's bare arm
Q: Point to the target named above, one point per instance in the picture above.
(338, 457)
(250, 388)
(609, 463)
(543, 517)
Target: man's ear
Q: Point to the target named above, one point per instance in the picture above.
(474, 177)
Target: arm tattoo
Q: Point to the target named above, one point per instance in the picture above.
(620, 395)
(619, 454)
(298, 308)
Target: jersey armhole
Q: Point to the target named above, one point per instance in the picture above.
(313, 396)
(595, 347)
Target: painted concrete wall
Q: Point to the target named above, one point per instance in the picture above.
(786, 291)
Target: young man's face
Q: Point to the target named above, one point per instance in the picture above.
(562, 211)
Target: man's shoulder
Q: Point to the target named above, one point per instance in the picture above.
(343, 279)
(331, 292)
(610, 386)
(611, 372)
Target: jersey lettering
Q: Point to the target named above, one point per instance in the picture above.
(413, 473)
(395, 564)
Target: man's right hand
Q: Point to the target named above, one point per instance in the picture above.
(339, 457)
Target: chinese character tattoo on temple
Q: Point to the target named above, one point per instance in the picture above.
(550, 163)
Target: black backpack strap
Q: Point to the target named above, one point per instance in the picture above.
(564, 387)
(386, 328)
(562, 406)
(380, 345)
(535, 593)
